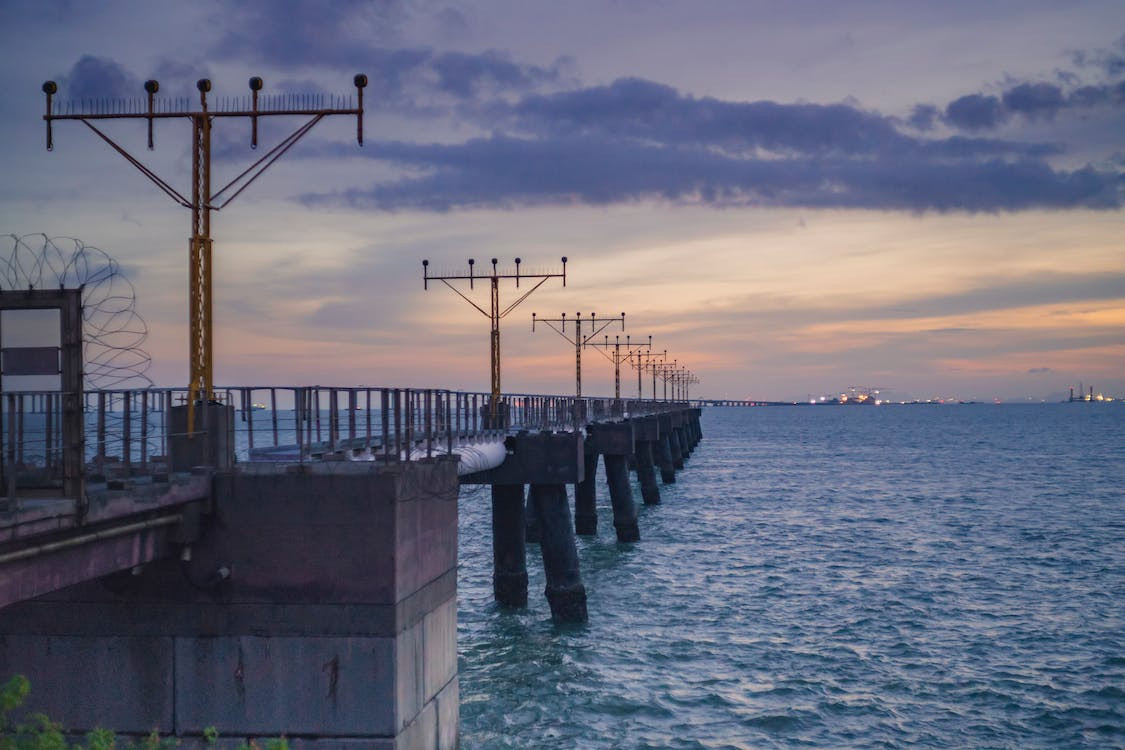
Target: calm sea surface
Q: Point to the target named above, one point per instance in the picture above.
(894, 576)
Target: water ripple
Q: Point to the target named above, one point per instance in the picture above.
(831, 577)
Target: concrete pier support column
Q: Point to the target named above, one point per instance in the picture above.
(646, 472)
(565, 592)
(585, 499)
(676, 448)
(530, 523)
(663, 453)
(663, 459)
(621, 495)
(509, 550)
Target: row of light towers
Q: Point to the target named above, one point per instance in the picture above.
(204, 199)
(582, 334)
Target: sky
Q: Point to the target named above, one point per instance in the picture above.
(792, 198)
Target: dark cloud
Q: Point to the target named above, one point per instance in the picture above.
(1040, 371)
(975, 112)
(501, 171)
(636, 140)
(464, 75)
(1111, 61)
(362, 35)
(98, 77)
(1030, 99)
(646, 112)
(1034, 99)
(923, 117)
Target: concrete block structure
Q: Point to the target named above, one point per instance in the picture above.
(319, 603)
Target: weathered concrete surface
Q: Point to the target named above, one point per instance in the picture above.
(565, 592)
(621, 497)
(663, 451)
(509, 548)
(337, 621)
(43, 549)
(646, 472)
(586, 498)
(534, 458)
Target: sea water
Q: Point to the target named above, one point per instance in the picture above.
(830, 576)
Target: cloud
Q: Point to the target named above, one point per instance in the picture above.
(923, 117)
(1040, 371)
(1030, 100)
(1034, 99)
(635, 140)
(465, 75)
(975, 112)
(98, 77)
(364, 36)
(1110, 61)
(1028, 291)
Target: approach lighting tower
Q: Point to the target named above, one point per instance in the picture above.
(665, 370)
(650, 361)
(579, 340)
(681, 380)
(494, 314)
(203, 200)
(612, 351)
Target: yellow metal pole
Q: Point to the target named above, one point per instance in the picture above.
(495, 347)
(200, 379)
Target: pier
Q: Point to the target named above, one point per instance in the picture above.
(271, 561)
(290, 567)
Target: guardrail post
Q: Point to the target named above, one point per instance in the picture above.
(429, 394)
(100, 457)
(127, 429)
(10, 458)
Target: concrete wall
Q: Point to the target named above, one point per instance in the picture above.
(336, 626)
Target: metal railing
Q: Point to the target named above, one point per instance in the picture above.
(128, 431)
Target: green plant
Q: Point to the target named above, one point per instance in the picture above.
(100, 739)
(37, 732)
(275, 743)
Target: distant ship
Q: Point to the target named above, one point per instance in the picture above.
(854, 397)
(1087, 397)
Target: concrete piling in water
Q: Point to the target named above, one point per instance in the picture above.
(615, 441)
(621, 496)
(585, 499)
(547, 462)
(663, 453)
(530, 523)
(509, 550)
(646, 435)
(696, 428)
(676, 448)
(646, 472)
(675, 439)
(565, 592)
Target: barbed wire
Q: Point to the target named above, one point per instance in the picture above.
(112, 331)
